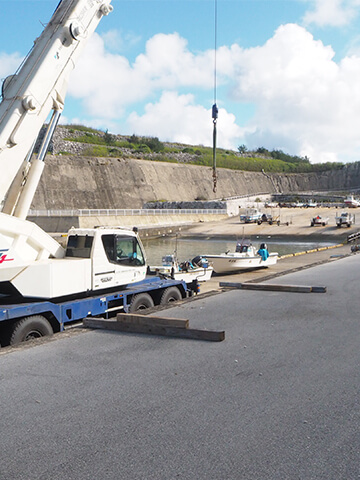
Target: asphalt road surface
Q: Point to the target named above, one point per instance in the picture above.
(278, 399)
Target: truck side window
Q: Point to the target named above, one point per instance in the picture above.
(123, 250)
(79, 246)
(128, 251)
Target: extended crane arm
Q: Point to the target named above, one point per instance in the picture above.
(38, 87)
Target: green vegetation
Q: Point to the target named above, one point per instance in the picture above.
(275, 161)
(153, 143)
(81, 128)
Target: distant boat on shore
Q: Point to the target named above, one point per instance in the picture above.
(352, 202)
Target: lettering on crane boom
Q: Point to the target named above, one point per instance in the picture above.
(3, 256)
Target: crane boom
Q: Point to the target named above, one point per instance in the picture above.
(37, 88)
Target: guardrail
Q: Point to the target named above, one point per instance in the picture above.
(124, 212)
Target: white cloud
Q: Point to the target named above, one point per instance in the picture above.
(168, 63)
(336, 13)
(305, 103)
(179, 119)
(116, 42)
(108, 83)
(9, 63)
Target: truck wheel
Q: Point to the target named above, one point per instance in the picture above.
(171, 294)
(141, 302)
(29, 328)
(348, 225)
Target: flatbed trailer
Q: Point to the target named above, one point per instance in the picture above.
(28, 319)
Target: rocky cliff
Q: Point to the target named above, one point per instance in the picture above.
(70, 182)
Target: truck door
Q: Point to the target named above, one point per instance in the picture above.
(126, 256)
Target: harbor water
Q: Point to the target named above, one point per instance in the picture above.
(187, 248)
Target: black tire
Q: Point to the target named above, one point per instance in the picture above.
(141, 301)
(348, 225)
(323, 224)
(171, 294)
(270, 222)
(29, 328)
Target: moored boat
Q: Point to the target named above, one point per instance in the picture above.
(245, 257)
(198, 268)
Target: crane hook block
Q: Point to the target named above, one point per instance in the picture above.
(215, 111)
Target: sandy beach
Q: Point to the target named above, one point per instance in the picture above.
(293, 222)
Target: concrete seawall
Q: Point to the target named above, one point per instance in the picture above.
(75, 182)
(149, 225)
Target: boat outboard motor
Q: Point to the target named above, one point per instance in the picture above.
(200, 261)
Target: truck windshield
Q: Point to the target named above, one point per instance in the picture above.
(123, 250)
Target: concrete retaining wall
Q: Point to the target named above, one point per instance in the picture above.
(150, 224)
(71, 182)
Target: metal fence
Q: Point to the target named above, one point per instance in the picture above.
(124, 212)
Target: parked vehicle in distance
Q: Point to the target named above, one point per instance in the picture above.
(252, 215)
(345, 218)
(319, 220)
(269, 218)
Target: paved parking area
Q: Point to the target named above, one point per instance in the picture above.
(278, 399)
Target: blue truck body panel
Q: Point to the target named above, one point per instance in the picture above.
(77, 309)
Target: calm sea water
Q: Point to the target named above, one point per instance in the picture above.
(188, 248)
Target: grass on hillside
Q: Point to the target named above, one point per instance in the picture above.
(103, 144)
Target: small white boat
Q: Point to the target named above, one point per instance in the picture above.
(245, 257)
(352, 202)
(198, 268)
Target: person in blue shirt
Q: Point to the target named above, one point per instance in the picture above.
(263, 252)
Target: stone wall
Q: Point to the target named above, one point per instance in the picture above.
(71, 182)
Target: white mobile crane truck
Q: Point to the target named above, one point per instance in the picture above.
(102, 270)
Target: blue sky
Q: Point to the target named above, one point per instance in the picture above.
(288, 71)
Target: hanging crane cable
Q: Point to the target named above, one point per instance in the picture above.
(214, 107)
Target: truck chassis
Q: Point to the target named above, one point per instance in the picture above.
(32, 319)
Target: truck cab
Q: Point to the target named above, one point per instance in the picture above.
(94, 259)
(117, 255)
